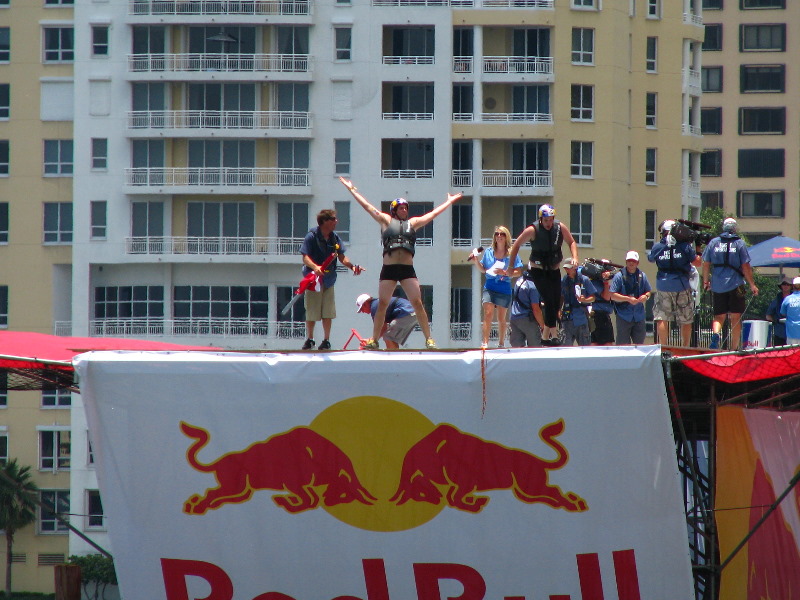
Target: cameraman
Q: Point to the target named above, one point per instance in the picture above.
(603, 334)
(674, 297)
(576, 292)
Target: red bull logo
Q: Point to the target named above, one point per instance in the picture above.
(786, 252)
(380, 465)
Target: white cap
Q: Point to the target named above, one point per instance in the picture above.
(729, 225)
(667, 225)
(796, 281)
(632, 255)
(361, 300)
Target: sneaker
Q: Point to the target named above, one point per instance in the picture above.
(715, 339)
(371, 344)
(325, 345)
(430, 344)
(484, 346)
(309, 344)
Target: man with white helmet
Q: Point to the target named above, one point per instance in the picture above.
(726, 266)
(674, 295)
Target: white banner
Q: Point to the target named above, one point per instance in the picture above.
(532, 474)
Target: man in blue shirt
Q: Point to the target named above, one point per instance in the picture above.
(790, 308)
(577, 292)
(773, 313)
(527, 320)
(728, 256)
(630, 289)
(674, 294)
(400, 318)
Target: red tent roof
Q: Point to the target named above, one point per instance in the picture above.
(734, 368)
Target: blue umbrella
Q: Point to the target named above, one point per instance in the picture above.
(779, 251)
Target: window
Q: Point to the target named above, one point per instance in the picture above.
(57, 222)
(292, 324)
(461, 310)
(54, 449)
(711, 121)
(343, 214)
(582, 103)
(710, 200)
(4, 152)
(651, 56)
(5, 100)
(762, 38)
(53, 502)
(344, 41)
(712, 4)
(582, 46)
(128, 302)
(713, 39)
(650, 165)
(221, 302)
(89, 450)
(100, 153)
(751, 4)
(59, 2)
(591, 4)
(3, 444)
(761, 163)
(94, 510)
(711, 163)
(580, 223)
(212, 220)
(56, 398)
(523, 215)
(3, 222)
(57, 158)
(3, 306)
(292, 219)
(581, 159)
(711, 79)
(147, 219)
(650, 229)
(419, 42)
(5, 44)
(3, 404)
(761, 204)
(653, 9)
(461, 221)
(59, 44)
(99, 40)
(762, 78)
(341, 157)
(99, 219)
(650, 112)
(407, 158)
(762, 120)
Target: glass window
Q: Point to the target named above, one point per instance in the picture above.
(580, 223)
(59, 44)
(99, 220)
(5, 44)
(58, 222)
(3, 306)
(650, 165)
(3, 222)
(711, 79)
(651, 110)
(713, 39)
(204, 302)
(522, 215)
(292, 324)
(582, 103)
(56, 398)
(762, 162)
(752, 4)
(220, 219)
(653, 9)
(5, 100)
(651, 58)
(58, 158)
(292, 219)
(710, 200)
(711, 121)
(343, 40)
(761, 204)
(99, 153)
(650, 229)
(592, 4)
(95, 519)
(711, 163)
(766, 120)
(53, 502)
(582, 159)
(343, 214)
(461, 220)
(341, 157)
(59, 2)
(762, 38)
(712, 4)
(99, 40)
(762, 78)
(54, 449)
(460, 308)
(582, 46)
(147, 219)
(127, 302)
(4, 156)
(3, 440)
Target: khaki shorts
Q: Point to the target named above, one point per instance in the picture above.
(320, 305)
(674, 306)
(399, 329)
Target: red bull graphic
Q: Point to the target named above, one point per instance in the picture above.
(298, 461)
(786, 252)
(463, 464)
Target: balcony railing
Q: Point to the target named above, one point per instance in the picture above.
(542, 65)
(218, 7)
(691, 189)
(687, 129)
(692, 19)
(496, 117)
(408, 60)
(691, 78)
(468, 3)
(407, 173)
(496, 178)
(461, 178)
(219, 176)
(408, 116)
(196, 327)
(460, 331)
(231, 246)
(216, 119)
(272, 63)
(462, 64)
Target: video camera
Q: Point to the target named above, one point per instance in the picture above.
(594, 268)
(691, 231)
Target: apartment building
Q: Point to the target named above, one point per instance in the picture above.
(199, 138)
(750, 165)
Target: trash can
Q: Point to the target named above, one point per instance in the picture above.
(756, 334)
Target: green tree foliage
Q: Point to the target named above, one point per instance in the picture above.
(18, 495)
(98, 570)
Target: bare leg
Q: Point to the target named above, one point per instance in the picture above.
(502, 325)
(385, 291)
(310, 329)
(391, 345)
(414, 294)
(662, 327)
(326, 328)
(716, 324)
(736, 332)
(488, 317)
(686, 335)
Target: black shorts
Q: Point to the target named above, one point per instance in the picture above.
(397, 272)
(728, 302)
(603, 329)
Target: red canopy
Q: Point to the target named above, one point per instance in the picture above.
(732, 368)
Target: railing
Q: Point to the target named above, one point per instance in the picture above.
(218, 7)
(219, 327)
(62, 328)
(463, 117)
(468, 3)
(408, 116)
(460, 332)
(216, 119)
(224, 176)
(408, 60)
(518, 64)
(462, 64)
(275, 63)
(496, 178)
(692, 78)
(687, 129)
(407, 173)
(213, 245)
(461, 178)
(515, 117)
(691, 189)
(692, 19)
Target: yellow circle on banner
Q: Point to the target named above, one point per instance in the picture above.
(375, 433)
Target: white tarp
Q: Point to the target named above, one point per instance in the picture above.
(389, 476)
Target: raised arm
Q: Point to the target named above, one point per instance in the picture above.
(418, 222)
(380, 217)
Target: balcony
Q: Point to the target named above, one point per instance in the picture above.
(226, 246)
(408, 60)
(508, 179)
(218, 7)
(496, 117)
(462, 64)
(196, 327)
(461, 178)
(540, 65)
(215, 119)
(687, 129)
(216, 176)
(460, 332)
(690, 18)
(691, 190)
(407, 173)
(217, 62)
(691, 81)
(408, 116)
